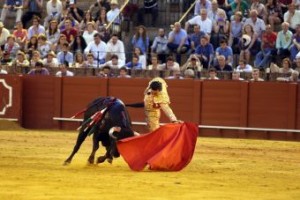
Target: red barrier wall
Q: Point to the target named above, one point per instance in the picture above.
(40, 97)
(76, 93)
(219, 103)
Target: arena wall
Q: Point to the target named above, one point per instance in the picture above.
(38, 99)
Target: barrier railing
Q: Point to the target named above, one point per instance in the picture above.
(199, 126)
(138, 73)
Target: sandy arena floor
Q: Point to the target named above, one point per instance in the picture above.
(222, 169)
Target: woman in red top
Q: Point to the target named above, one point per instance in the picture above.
(21, 34)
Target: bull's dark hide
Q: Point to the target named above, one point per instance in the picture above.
(116, 115)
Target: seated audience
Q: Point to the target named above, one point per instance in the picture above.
(212, 74)
(90, 61)
(178, 41)
(11, 47)
(50, 60)
(189, 74)
(134, 64)
(21, 34)
(2, 71)
(33, 8)
(155, 65)
(284, 41)
(171, 64)
(243, 66)
(98, 48)
(192, 63)
(159, 45)
(285, 69)
(116, 47)
(21, 62)
(39, 69)
(123, 73)
(36, 28)
(63, 70)
(236, 76)
(79, 61)
(4, 33)
(15, 7)
(256, 75)
(65, 55)
(205, 52)
(105, 72)
(222, 65)
(113, 63)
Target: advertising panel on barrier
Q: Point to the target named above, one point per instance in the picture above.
(6, 96)
(10, 98)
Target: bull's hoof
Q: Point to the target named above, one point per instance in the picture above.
(101, 159)
(91, 161)
(67, 162)
(109, 160)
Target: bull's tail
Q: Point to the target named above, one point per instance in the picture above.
(136, 105)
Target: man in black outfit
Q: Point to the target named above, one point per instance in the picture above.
(150, 6)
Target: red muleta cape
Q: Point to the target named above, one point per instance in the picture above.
(169, 148)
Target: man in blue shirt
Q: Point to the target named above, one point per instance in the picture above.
(205, 52)
(134, 64)
(226, 51)
(195, 37)
(12, 6)
(65, 55)
(178, 41)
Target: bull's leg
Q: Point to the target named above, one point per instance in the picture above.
(81, 137)
(107, 157)
(95, 148)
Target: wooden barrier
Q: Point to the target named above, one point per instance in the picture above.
(213, 103)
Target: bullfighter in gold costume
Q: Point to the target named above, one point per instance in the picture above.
(156, 99)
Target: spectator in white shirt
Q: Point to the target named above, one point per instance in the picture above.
(116, 47)
(54, 10)
(113, 63)
(243, 66)
(98, 48)
(114, 12)
(202, 4)
(202, 20)
(292, 16)
(36, 28)
(90, 62)
(236, 76)
(257, 23)
(64, 70)
(88, 34)
(4, 33)
(2, 71)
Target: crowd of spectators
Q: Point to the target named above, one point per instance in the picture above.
(233, 36)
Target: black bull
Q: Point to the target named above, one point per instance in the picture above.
(116, 115)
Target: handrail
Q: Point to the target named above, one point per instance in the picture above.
(185, 14)
(201, 126)
(121, 10)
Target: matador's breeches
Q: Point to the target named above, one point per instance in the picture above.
(152, 119)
